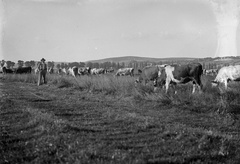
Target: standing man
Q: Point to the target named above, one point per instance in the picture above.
(42, 67)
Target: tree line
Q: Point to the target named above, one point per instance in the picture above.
(106, 65)
(208, 63)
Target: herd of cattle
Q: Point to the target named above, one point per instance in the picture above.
(79, 71)
(19, 70)
(161, 75)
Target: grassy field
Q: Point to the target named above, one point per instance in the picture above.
(107, 119)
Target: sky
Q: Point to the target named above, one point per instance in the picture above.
(83, 30)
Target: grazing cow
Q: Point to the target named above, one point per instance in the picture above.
(210, 71)
(1, 69)
(59, 71)
(6, 70)
(226, 74)
(50, 70)
(84, 71)
(98, 71)
(110, 70)
(36, 71)
(125, 72)
(149, 73)
(93, 71)
(73, 71)
(64, 71)
(21, 70)
(181, 74)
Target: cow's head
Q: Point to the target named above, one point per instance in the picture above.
(138, 80)
(161, 79)
(159, 82)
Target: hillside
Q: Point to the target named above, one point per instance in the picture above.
(127, 59)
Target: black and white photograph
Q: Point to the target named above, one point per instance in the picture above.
(120, 81)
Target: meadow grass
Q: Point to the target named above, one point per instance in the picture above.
(107, 119)
(210, 99)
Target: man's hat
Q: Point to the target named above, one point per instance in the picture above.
(43, 59)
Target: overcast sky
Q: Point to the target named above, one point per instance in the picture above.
(82, 30)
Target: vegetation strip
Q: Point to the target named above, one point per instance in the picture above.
(87, 125)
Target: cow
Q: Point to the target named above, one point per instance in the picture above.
(181, 74)
(125, 72)
(36, 71)
(73, 71)
(59, 71)
(110, 70)
(211, 72)
(84, 70)
(148, 73)
(21, 70)
(50, 70)
(64, 71)
(3, 67)
(226, 74)
(98, 71)
(6, 70)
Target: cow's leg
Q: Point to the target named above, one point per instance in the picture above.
(199, 88)
(174, 85)
(194, 88)
(167, 84)
(225, 83)
(198, 83)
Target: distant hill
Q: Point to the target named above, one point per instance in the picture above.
(206, 61)
(127, 59)
(222, 61)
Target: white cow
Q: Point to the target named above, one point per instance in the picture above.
(50, 70)
(98, 71)
(36, 70)
(226, 74)
(73, 71)
(125, 72)
(210, 71)
(64, 71)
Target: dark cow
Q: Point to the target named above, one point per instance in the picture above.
(181, 74)
(84, 70)
(149, 73)
(6, 70)
(21, 70)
